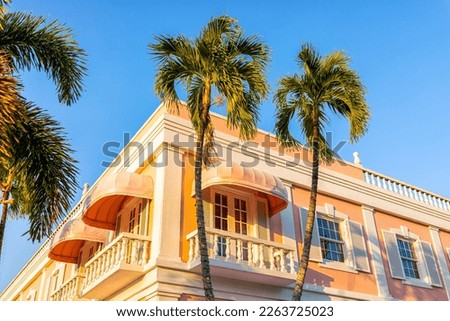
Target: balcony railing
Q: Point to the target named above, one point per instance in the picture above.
(244, 250)
(70, 291)
(406, 190)
(128, 253)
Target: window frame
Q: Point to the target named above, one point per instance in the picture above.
(322, 238)
(413, 259)
(126, 223)
(231, 220)
(420, 248)
(354, 246)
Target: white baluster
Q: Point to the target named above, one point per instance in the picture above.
(215, 245)
(196, 247)
(372, 178)
(366, 177)
(118, 247)
(250, 253)
(271, 258)
(282, 261)
(107, 260)
(124, 250)
(395, 188)
(378, 181)
(383, 180)
(146, 254)
(434, 201)
(239, 251)
(261, 257)
(420, 196)
(291, 262)
(134, 252)
(400, 189)
(228, 248)
(389, 182)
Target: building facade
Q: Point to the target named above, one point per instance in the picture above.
(133, 236)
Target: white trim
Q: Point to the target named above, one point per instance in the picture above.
(416, 282)
(374, 250)
(336, 265)
(441, 259)
(42, 285)
(287, 222)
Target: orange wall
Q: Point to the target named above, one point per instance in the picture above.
(397, 289)
(188, 217)
(323, 276)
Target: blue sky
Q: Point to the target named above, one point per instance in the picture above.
(401, 49)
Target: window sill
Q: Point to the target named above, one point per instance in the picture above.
(416, 282)
(337, 266)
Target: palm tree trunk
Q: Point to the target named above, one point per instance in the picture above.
(204, 259)
(304, 260)
(5, 203)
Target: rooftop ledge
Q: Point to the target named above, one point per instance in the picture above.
(406, 190)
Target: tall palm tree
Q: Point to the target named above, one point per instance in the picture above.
(220, 60)
(326, 83)
(39, 177)
(42, 193)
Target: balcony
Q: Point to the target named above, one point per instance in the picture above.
(244, 257)
(71, 290)
(406, 190)
(121, 262)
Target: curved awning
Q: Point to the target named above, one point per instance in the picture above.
(103, 202)
(66, 244)
(247, 178)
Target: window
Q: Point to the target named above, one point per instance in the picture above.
(408, 258)
(243, 214)
(330, 240)
(337, 242)
(132, 221)
(221, 220)
(130, 216)
(118, 224)
(239, 215)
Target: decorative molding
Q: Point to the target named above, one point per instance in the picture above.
(374, 250)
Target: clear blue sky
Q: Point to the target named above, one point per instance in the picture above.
(401, 50)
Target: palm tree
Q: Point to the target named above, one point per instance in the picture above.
(42, 182)
(220, 60)
(326, 83)
(39, 178)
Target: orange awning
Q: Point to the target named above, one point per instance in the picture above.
(248, 178)
(66, 244)
(103, 202)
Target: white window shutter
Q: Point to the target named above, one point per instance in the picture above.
(315, 253)
(430, 263)
(359, 246)
(395, 262)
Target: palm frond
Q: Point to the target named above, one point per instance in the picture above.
(44, 171)
(31, 42)
(325, 82)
